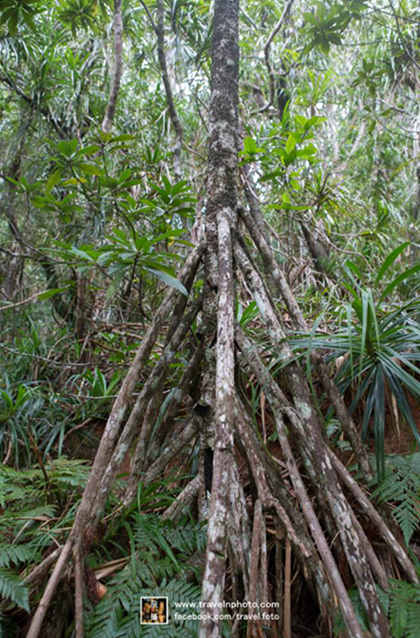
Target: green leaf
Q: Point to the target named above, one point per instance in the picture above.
(290, 143)
(53, 179)
(325, 46)
(89, 169)
(82, 253)
(250, 145)
(334, 38)
(67, 147)
(398, 280)
(12, 23)
(307, 152)
(169, 280)
(125, 175)
(309, 17)
(50, 293)
(89, 150)
(354, 268)
(27, 18)
(390, 260)
(290, 157)
(116, 282)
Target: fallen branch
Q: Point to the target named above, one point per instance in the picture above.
(24, 301)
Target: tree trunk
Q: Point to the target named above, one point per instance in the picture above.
(220, 217)
(313, 500)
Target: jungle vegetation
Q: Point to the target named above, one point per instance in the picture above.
(210, 317)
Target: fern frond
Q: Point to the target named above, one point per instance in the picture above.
(413, 623)
(407, 515)
(404, 604)
(188, 537)
(16, 554)
(157, 567)
(401, 487)
(66, 473)
(13, 588)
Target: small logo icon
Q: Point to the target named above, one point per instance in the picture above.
(153, 610)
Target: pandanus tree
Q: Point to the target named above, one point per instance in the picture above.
(319, 511)
(315, 498)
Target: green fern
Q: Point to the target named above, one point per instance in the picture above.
(159, 566)
(404, 609)
(413, 622)
(17, 486)
(118, 614)
(27, 494)
(62, 472)
(401, 603)
(187, 537)
(27, 499)
(15, 554)
(401, 487)
(67, 473)
(14, 589)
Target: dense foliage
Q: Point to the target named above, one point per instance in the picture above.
(96, 222)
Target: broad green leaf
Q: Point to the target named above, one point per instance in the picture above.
(53, 179)
(89, 150)
(81, 253)
(250, 145)
(89, 169)
(67, 147)
(125, 175)
(290, 143)
(50, 293)
(169, 280)
(116, 282)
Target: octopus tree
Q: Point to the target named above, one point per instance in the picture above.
(317, 498)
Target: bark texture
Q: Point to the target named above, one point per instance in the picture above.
(220, 216)
(117, 71)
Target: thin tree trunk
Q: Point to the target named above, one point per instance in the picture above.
(160, 32)
(78, 596)
(116, 76)
(221, 212)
